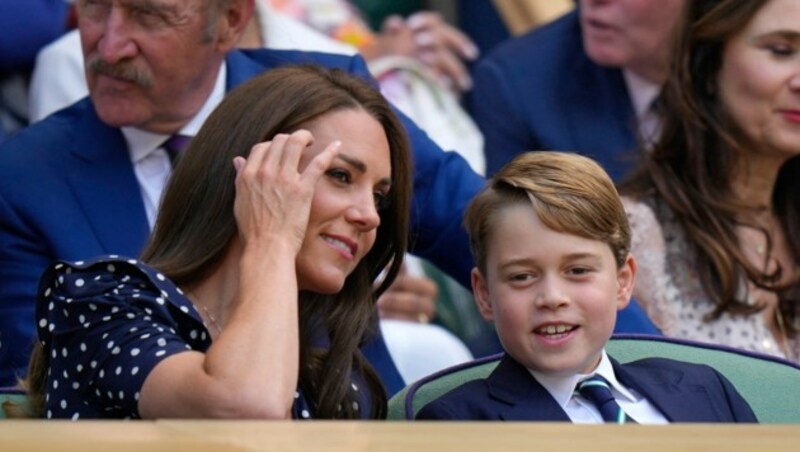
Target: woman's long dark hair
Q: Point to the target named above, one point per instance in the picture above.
(691, 167)
(196, 224)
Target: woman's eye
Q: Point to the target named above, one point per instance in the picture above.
(381, 200)
(339, 175)
(781, 50)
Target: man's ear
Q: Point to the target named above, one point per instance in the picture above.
(626, 277)
(232, 21)
(481, 292)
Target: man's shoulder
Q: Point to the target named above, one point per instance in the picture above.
(279, 57)
(39, 144)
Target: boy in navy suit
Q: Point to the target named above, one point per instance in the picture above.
(551, 243)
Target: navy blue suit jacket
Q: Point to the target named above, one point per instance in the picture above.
(683, 392)
(541, 91)
(68, 191)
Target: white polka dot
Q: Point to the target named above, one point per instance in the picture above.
(132, 261)
(160, 277)
(51, 327)
(78, 263)
(121, 395)
(305, 414)
(111, 268)
(64, 352)
(106, 318)
(47, 293)
(54, 354)
(93, 364)
(296, 394)
(79, 367)
(144, 336)
(160, 300)
(113, 256)
(55, 384)
(110, 395)
(76, 385)
(102, 373)
(79, 282)
(134, 351)
(115, 351)
(118, 370)
(82, 318)
(42, 323)
(193, 334)
(355, 387)
(185, 309)
(83, 346)
(178, 289)
(133, 330)
(136, 396)
(355, 405)
(63, 404)
(51, 305)
(65, 374)
(161, 342)
(93, 306)
(130, 316)
(110, 345)
(161, 353)
(49, 414)
(115, 309)
(135, 370)
(203, 335)
(58, 266)
(75, 416)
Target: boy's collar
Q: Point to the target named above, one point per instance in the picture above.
(562, 388)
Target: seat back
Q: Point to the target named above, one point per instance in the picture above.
(14, 403)
(770, 385)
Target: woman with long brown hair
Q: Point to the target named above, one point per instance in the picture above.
(257, 286)
(715, 209)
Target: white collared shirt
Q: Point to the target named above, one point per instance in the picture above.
(151, 162)
(581, 411)
(642, 93)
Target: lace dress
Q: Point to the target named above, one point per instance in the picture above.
(669, 289)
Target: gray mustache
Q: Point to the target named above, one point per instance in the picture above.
(124, 71)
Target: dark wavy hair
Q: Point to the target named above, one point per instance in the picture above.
(691, 167)
(196, 224)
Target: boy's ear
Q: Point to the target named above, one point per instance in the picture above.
(481, 292)
(626, 277)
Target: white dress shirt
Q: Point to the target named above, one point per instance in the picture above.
(642, 93)
(150, 161)
(582, 411)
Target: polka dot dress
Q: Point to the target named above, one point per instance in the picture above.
(104, 325)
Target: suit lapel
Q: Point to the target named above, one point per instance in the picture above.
(102, 180)
(522, 397)
(668, 391)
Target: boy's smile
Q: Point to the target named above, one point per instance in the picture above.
(553, 296)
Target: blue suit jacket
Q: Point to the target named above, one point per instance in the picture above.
(541, 91)
(68, 191)
(683, 392)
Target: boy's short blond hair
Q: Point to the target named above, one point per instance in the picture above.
(569, 193)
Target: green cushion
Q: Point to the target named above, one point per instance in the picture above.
(16, 399)
(770, 386)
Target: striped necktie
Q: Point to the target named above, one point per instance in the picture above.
(597, 390)
(174, 146)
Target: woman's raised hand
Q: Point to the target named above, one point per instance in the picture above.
(273, 194)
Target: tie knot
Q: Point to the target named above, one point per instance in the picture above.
(596, 389)
(175, 145)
